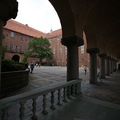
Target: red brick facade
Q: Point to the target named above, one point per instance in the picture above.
(17, 37)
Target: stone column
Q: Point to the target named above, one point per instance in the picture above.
(107, 65)
(102, 64)
(93, 64)
(115, 65)
(8, 10)
(1, 33)
(72, 44)
(110, 60)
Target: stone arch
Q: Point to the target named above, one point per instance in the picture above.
(16, 58)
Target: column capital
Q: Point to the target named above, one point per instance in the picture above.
(92, 50)
(107, 57)
(102, 55)
(8, 9)
(72, 40)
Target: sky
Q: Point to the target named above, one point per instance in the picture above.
(38, 14)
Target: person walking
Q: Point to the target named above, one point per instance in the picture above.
(85, 69)
(31, 67)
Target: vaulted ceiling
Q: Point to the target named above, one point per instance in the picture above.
(99, 19)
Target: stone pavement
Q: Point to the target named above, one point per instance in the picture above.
(108, 90)
(87, 107)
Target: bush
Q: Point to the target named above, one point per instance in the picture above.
(10, 65)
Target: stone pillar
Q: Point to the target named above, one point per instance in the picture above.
(115, 65)
(8, 10)
(112, 66)
(72, 44)
(1, 33)
(102, 64)
(107, 65)
(110, 60)
(93, 64)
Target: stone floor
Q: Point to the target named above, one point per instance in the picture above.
(99, 102)
(108, 90)
(86, 108)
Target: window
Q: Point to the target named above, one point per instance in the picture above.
(11, 46)
(53, 51)
(65, 50)
(21, 48)
(16, 49)
(82, 49)
(21, 37)
(60, 50)
(12, 34)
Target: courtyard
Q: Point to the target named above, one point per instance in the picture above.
(108, 90)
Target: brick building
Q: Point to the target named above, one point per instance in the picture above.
(17, 37)
(60, 51)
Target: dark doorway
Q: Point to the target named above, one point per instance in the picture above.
(16, 58)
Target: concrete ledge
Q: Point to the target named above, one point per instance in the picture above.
(12, 81)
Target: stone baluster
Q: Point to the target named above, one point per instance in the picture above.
(22, 110)
(0, 114)
(4, 114)
(69, 92)
(78, 88)
(73, 90)
(59, 98)
(64, 94)
(52, 100)
(44, 104)
(34, 104)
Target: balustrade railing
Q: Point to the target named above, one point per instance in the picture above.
(53, 95)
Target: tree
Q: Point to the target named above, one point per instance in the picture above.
(40, 48)
(4, 48)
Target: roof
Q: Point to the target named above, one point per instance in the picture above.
(23, 29)
(54, 33)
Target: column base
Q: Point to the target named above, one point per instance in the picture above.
(93, 82)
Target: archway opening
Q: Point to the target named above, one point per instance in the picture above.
(16, 58)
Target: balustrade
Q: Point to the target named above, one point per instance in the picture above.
(65, 90)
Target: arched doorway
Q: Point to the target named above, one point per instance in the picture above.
(16, 58)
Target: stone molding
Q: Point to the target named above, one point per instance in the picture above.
(107, 57)
(102, 55)
(72, 40)
(92, 50)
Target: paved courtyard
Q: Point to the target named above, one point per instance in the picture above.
(109, 90)
(99, 102)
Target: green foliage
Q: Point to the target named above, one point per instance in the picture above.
(10, 65)
(26, 55)
(4, 48)
(40, 48)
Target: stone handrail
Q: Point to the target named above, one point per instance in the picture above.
(69, 88)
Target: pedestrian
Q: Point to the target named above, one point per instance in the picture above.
(99, 77)
(31, 67)
(85, 69)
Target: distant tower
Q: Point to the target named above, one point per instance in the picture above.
(51, 31)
